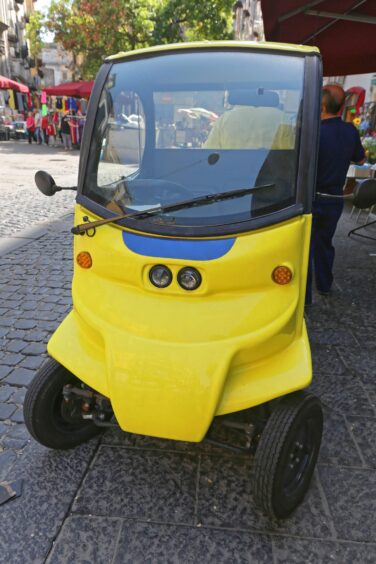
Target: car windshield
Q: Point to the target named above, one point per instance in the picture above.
(178, 126)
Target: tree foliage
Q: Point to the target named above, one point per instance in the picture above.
(193, 20)
(95, 29)
(34, 30)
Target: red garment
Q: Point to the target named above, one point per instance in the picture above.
(44, 123)
(51, 129)
(30, 123)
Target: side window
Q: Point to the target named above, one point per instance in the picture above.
(123, 141)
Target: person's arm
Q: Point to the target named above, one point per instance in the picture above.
(359, 156)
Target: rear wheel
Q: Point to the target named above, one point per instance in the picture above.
(52, 420)
(287, 453)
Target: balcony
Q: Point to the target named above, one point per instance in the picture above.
(12, 35)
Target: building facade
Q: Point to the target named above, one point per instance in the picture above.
(15, 61)
(57, 64)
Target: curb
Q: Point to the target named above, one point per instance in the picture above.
(29, 235)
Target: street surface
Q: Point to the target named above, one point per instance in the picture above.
(22, 204)
(132, 499)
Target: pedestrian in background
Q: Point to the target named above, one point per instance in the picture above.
(44, 125)
(38, 128)
(66, 132)
(339, 146)
(51, 133)
(30, 126)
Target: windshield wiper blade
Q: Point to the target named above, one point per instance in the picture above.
(185, 204)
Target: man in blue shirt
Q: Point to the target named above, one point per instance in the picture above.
(339, 146)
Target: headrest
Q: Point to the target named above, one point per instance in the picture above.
(260, 97)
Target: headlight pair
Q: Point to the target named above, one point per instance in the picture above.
(188, 278)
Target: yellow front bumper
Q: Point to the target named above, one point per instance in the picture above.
(174, 390)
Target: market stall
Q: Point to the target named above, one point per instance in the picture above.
(343, 30)
(13, 103)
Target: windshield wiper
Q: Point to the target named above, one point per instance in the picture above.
(185, 204)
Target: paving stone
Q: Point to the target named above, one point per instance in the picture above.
(20, 377)
(225, 500)
(17, 416)
(9, 359)
(17, 334)
(351, 497)
(15, 444)
(5, 392)
(152, 485)
(24, 324)
(166, 544)
(34, 349)
(6, 410)
(364, 431)
(296, 551)
(325, 359)
(4, 371)
(338, 446)
(332, 336)
(50, 481)
(86, 539)
(32, 362)
(342, 393)
(35, 336)
(18, 396)
(15, 346)
(7, 460)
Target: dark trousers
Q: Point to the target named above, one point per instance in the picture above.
(325, 217)
(30, 135)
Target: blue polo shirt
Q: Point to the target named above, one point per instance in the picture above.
(339, 146)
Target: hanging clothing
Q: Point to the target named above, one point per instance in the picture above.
(11, 100)
(20, 101)
(59, 103)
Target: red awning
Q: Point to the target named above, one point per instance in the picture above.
(6, 83)
(81, 89)
(343, 30)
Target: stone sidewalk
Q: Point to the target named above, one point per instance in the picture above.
(125, 498)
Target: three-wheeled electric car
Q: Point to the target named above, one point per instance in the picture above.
(192, 231)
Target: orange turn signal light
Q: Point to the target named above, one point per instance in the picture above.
(282, 275)
(84, 259)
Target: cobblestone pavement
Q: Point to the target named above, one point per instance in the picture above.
(22, 205)
(125, 498)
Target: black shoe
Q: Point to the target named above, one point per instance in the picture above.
(328, 293)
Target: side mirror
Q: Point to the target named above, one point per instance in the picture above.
(364, 195)
(46, 184)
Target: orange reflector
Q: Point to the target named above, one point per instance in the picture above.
(84, 259)
(282, 275)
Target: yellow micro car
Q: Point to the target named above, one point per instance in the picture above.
(192, 231)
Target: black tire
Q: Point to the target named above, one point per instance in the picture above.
(44, 410)
(286, 454)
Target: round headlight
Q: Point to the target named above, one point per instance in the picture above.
(160, 276)
(189, 278)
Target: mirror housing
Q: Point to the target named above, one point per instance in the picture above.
(46, 184)
(364, 195)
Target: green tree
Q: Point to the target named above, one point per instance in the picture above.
(34, 29)
(192, 20)
(94, 29)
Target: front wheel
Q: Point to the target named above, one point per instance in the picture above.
(51, 419)
(287, 453)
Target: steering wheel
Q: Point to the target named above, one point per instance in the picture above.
(157, 191)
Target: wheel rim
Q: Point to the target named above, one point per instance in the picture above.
(62, 411)
(300, 455)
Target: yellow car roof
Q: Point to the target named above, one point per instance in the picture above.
(199, 45)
